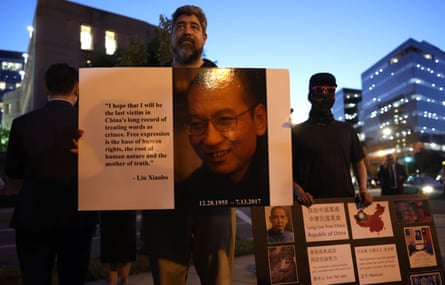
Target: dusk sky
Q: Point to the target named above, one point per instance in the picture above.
(344, 37)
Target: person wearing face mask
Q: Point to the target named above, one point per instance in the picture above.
(323, 150)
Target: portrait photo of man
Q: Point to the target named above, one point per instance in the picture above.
(221, 154)
(280, 224)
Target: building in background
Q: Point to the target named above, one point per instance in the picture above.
(64, 31)
(346, 107)
(403, 101)
(12, 65)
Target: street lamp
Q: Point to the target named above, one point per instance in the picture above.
(30, 30)
(387, 133)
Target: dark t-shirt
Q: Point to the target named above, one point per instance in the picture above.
(322, 157)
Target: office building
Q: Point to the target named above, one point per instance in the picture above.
(346, 106)
(64, 31)
(403, 101)
(12, 65)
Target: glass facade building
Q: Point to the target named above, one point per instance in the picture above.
(346, 106)
(12, 66)
(403, 101)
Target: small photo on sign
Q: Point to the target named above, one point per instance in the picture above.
(372, 222)
(279, 224)
(413, 211)
(420, 247)
(282, 265)
(429, 278)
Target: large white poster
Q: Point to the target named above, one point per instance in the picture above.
(160, 138)
(126, 151)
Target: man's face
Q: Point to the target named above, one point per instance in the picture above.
(279, 219)
(226, 151)
(390, 159)
(187, 39)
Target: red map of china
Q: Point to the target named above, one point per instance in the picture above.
(374, 221)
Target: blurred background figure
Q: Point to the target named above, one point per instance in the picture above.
(391, 175)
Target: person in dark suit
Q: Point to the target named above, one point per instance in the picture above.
(48, 227)
(391, 176)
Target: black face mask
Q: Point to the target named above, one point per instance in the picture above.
(321, 108)
(322, 103)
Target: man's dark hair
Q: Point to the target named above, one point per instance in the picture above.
(60, 78)
(190, 10)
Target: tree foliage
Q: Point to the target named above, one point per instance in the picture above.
(429, 162)
(164, 29)
(136, 54)
(4, 138)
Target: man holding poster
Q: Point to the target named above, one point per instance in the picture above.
(171, 236)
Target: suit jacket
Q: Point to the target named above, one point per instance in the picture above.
(385, 181)
(39, 154)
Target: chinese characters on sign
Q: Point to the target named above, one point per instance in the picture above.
(391, 241)
(325, 222)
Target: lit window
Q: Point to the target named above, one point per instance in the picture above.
(110, 42)
(2, 85)
(86, 37)
(13, 66)
(6, 108)
(427, 56)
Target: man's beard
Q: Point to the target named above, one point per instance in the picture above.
(187, 54)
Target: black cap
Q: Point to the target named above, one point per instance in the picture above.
(322, 79)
